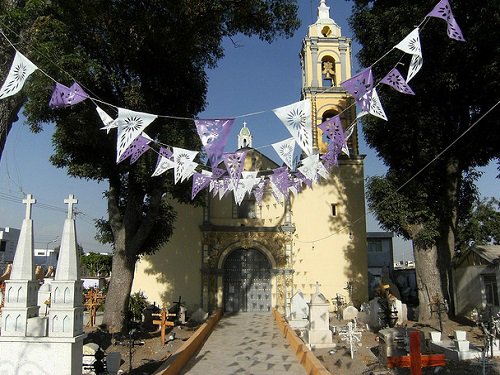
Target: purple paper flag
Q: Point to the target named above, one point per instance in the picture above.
(330, 159)
(281, 180)
(213, 134)
(336, 139)
(217, 172)
(200, 182)
(136, 149)
(443, 10)
(329, 126)
(67, 96)
(304, 179)
(234, 163)
(258, 192)
(165, 152)
(397, 82)
(360, 87)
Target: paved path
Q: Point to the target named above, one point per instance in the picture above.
(245, 343)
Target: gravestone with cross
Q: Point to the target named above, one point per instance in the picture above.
(94, 298)
(163, 322)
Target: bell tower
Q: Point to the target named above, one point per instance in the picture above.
(326, 61)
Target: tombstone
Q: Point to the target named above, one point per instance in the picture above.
(350, 313)
(374, 315)
(52, 343)
(402, 312)
(299, 311)
(318, 335)
(199, 316)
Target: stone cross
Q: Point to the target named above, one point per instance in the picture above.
(317, 286)
(70, 201)
(29, 201)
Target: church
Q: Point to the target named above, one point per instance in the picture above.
(256, 255)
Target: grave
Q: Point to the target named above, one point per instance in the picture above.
(415, 360)
(318, 335)
(34, 344)
(299, 311)
(458, 349)
(350, 313)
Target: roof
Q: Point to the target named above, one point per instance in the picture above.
(489, 253)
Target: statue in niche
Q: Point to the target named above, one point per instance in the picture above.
(329, 71)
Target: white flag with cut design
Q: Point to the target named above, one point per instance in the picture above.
(297, 119)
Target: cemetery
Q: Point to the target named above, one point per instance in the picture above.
(273, 271)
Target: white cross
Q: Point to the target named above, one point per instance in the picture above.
(70, 201)
(29, 201)
(317, 287)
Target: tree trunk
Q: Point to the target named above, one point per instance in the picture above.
(449, 228)
(9, 108)
(118, 295)
(429, 280)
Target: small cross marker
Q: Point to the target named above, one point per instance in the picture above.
(29, 201)
(317, 287)
(70, 201)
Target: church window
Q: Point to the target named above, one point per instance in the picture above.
(328, 71)
(334, 209)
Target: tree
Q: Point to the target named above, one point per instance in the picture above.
(148, 56)
(96, 264)
(434, 140)
(481, 226)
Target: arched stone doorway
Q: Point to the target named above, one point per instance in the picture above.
(247, 281)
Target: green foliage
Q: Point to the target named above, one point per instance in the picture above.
(137, 303)
(96, 264)
(457, 84)
(149, 56)
(482, 227)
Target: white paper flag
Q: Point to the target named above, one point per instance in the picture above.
(20, 70)
(376, 106)
(285, 150)
(249, 179)
(130, 125)
(163, 165)
(183, 163)
(107, 120)
(311, 167)
(411, 45)
(297, 119)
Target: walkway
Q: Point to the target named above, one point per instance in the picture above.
(245, 343)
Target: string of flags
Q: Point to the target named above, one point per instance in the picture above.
(132, 141)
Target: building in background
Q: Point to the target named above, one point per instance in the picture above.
(8, 243)
(475, 277)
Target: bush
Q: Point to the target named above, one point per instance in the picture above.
(137, 303)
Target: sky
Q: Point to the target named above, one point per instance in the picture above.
(254, 76)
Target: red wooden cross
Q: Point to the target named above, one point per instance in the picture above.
(415, 361)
